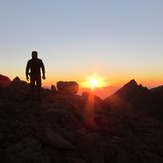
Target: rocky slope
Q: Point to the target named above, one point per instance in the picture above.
(73, 129)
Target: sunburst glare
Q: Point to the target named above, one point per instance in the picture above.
(94, 81)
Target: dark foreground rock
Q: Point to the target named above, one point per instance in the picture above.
(91, 149)
(73, 129)
(27, 150)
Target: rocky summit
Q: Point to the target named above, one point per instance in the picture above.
(68, 128)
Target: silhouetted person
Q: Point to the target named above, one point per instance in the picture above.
(33, 69)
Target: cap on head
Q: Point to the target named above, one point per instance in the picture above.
(34, 54)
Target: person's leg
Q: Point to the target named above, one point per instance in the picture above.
(32, 84)
(38, 83)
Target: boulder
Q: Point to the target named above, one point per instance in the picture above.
(68, 88)
(4, 81)
(53, 88)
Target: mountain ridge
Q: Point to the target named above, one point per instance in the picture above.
(140, 98)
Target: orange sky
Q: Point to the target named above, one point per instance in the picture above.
(148, 80)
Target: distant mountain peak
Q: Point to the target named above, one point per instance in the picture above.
(131, 92)
(132, 83)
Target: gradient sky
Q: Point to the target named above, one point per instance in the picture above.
(118, 39)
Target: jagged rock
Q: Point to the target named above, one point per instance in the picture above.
(16, 79)
(4, 81)
(53, 88)
(68, 88)
(16, 90)
(27, 150)
(17, 82)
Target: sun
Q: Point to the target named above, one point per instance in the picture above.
(94, 81)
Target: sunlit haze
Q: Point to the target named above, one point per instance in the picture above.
(94, 81)
(119, 40)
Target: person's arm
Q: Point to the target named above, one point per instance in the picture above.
(27, 71)
(43, 70)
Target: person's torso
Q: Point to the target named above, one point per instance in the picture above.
(35, 65)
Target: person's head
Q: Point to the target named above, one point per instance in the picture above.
(34, 54)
